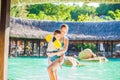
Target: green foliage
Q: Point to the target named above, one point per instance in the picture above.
(46, 8)
(82, 11)
(79, 46)
(18, 11)
(61, 12)
(115, 14)
(32, 16)
(87, 17)
(83, 18)
(50, 11)
(103, 9)
(91, 46)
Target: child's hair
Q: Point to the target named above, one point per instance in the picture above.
(57, 32)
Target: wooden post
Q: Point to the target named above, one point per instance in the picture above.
(32, 47)
(4, 37)
(16, 48)
(10, 46)
(107, 47)
(97, 47)
(111, 47)
(39, 47)
(24, 46)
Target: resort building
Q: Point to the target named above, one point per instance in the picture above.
(27, 37)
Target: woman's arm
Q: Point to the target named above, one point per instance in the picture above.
(65, 48)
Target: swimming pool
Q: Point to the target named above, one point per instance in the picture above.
(35, 69)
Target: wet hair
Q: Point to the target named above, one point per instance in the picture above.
(57, 32)
(64, 26)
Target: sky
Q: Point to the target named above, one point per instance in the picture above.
(93, 4)
(80, 4)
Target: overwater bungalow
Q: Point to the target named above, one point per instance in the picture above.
(105, 35)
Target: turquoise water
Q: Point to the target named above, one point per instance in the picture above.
(35, 69)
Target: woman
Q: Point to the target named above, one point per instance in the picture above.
(52, 68)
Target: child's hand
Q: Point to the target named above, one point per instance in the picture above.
(50, 54)
(58, 54)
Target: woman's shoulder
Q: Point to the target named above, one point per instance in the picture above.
(66, 38)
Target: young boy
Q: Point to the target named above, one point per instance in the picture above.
(51, 46)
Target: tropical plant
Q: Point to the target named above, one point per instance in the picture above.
(115, 14)
(62, 12)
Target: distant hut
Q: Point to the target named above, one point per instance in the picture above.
(106, 33)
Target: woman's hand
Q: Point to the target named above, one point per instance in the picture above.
(62, 58)
(58, 54)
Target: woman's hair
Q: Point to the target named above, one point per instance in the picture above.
(64, 26)
(57, 32)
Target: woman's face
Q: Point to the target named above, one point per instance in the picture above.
(64, 31)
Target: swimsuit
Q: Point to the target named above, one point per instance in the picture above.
(53, 58)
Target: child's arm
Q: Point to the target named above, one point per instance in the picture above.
(61, 52)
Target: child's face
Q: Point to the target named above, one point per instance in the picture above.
(58, 36)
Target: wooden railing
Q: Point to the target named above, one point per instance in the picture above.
(108, 54)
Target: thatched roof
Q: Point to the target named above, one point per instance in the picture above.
(20, 28)
(27, 28)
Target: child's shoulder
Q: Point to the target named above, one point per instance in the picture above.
(48, 37)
